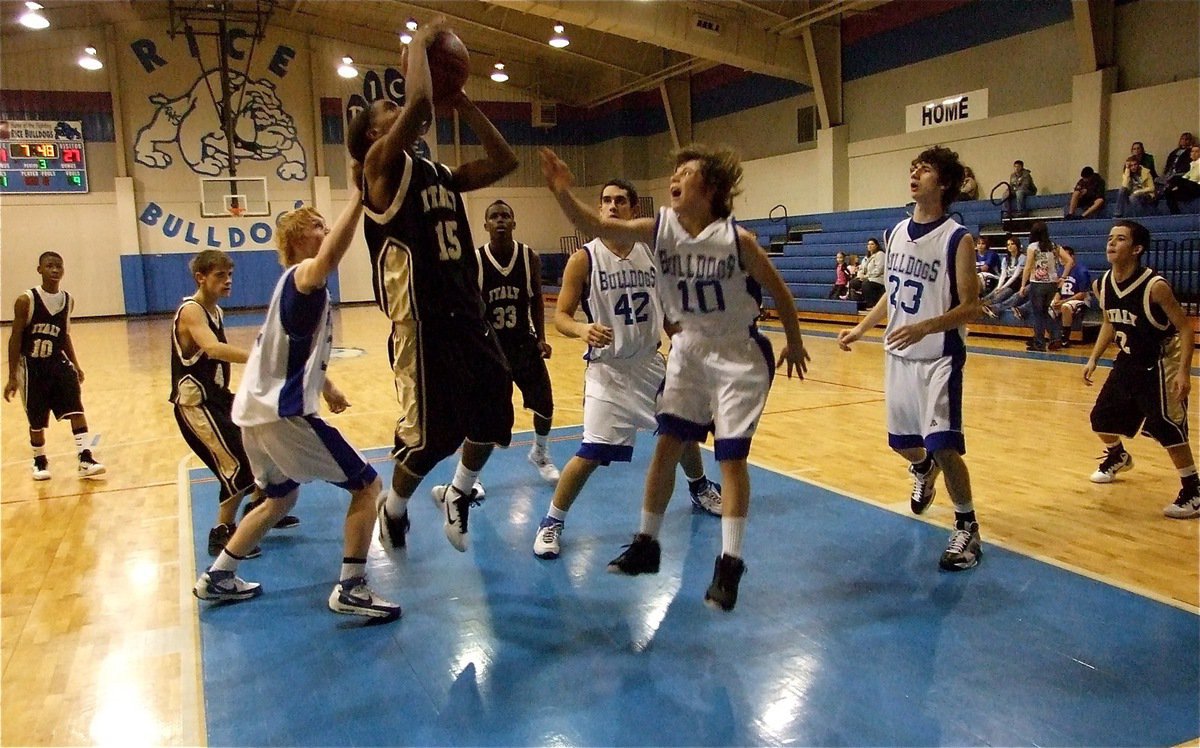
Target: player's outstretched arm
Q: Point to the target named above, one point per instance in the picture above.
(15, 338)
(759, 267)
(500, 161)
(312, 273)
(194, 322)
(877, 314)
(560, 180)
(574, 279)
(386, 157)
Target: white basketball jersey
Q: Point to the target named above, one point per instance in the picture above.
(286, 369)
(920, 282)
(702, 283)
(621, 295)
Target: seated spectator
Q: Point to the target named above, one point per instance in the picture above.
(1186, 186)
(841, 278)
(987, 265)
(872, 271)
(1180, 159)
(1012, 266)
(854, 286)
(1145, 159)
(1137, 189)
(970, 187)
(1073, 298)
(1020, 186)
(1087, 195)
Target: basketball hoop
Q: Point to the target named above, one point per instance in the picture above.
(235, 210)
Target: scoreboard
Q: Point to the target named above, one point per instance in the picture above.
(42, 157)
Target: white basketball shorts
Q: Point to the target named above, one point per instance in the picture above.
(718, 385)
(302, 449)
(924, 402)
(619, 399)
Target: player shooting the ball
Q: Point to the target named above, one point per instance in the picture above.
(452, 380)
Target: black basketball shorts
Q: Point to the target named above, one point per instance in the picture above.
(453, 384)
(1137, 398)
(211, 433)
(50, 387)
(531, 377)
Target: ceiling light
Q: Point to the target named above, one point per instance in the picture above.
(498, 74)
(33, 19)
(558, 41)
(88, 60)
(347, 69)
(410, 26)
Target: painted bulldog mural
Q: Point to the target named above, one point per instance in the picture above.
(263, 131)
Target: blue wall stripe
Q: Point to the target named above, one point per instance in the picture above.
(735, 96)
(953, 31)
(154, 283)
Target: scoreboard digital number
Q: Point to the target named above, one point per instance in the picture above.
(42, 157)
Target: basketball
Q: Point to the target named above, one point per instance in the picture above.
(449, 65)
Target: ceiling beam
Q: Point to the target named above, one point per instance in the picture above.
(673, 26)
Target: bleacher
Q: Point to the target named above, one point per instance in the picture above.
(803, 248)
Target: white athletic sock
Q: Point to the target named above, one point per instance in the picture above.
(555, 513)
(395, 505)
(732, 530)
(1187, 472)
(81, 440)
(353, 567)
(464, 479)
(541, 442)
(651, 523)
(225, 562)
(39, 451)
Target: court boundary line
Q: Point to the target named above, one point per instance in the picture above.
(1065, 566)
(191, 685)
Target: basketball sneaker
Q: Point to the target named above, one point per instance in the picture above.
(1113, 463)
(220, 535)
(545, 545)
(1186, 505)
(456, 507)
(642, 556)
(707, 498)
(392, 530)
(287, 522)
(224, 586)
(353, 597)
(88, 467)
(41, 468)
(964, 549)
(727, 573)
(923, 489)
(541, 460)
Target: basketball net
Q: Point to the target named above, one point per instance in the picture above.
(236, 210)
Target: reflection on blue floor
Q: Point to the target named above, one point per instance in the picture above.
(845, 633)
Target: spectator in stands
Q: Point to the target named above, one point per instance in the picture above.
(1073, 298)
(872, 271)
(841, 278)
(1186, 186)
(987, 265)
(1146, 160)
(970, 187)
(1012, 267)
(1039, 284)
(1088, 194)
(1020, 186)
(1180, 159)
(1137, 188)
(854, 285)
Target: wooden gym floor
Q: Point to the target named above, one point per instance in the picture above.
(96, 643)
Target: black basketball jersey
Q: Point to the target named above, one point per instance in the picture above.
(421, 259)
(199, 378)
(507, 291)
(1142, 329)
(45, 333)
